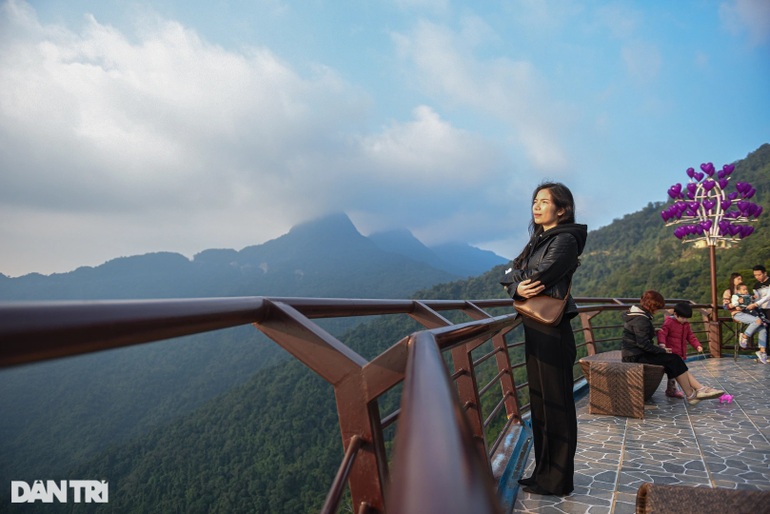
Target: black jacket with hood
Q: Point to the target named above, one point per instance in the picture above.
(638, 334)
(553, 259)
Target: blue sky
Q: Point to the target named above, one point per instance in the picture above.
(129, 127)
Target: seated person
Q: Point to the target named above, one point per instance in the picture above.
(744, 310)
(638, 346)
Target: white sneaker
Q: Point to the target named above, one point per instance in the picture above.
(762, 357)
(707, 393)
(744, 341)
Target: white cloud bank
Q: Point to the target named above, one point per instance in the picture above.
(119, 142)
(116, 144)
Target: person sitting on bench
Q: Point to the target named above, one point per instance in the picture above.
(637, 346)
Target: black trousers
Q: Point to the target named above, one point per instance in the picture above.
(671, 362)
(550, 353)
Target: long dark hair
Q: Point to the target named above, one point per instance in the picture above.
(563, 200)
(732, 286)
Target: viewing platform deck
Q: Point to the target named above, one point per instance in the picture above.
(711, 444)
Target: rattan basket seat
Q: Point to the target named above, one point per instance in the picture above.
(681, 499)
(653, 373)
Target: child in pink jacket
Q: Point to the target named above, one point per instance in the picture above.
(675, 334)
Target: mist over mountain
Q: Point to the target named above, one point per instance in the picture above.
(326, 257)
(457, 258)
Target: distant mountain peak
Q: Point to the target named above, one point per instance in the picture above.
(333, 223)
(403, 242)
(457, 258)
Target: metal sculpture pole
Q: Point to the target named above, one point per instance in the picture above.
(708, 215)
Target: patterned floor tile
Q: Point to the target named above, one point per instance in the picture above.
(710, 444)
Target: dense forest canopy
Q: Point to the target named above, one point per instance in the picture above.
(638, 252)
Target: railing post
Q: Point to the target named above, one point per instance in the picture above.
(506, 381)
(342, 368)
(588, 331)
(358, 417)
(715, 335)
(467, 388)
(468, 394)
(503, 361)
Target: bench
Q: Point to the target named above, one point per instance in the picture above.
(618, 388)
(681, 499)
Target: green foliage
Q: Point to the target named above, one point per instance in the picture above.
(638, 252)
(68, 411)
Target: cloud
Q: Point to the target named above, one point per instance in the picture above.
(622, 21)
(168, 117)
(643, 61)
(427, 152)
(439, 6)
(118, 144)
(750, 16)
(511, 91)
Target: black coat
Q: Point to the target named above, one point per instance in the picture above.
(552, 260)
(638, 334)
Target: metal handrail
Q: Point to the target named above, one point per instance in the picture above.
(431, 426)
(36, 331)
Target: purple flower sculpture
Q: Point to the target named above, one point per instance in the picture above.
(706, 212)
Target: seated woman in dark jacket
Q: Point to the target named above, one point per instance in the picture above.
(638, 346)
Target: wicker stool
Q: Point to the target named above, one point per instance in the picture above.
(680, 499)
(653, 373)
(616, 389)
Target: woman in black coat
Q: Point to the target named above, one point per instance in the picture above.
(638, 345)
(545, 266)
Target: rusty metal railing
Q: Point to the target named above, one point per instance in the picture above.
(438, 405)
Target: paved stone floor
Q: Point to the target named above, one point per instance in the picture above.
(711, 444)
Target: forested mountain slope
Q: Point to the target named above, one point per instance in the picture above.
(638, 252)
(106, 399)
